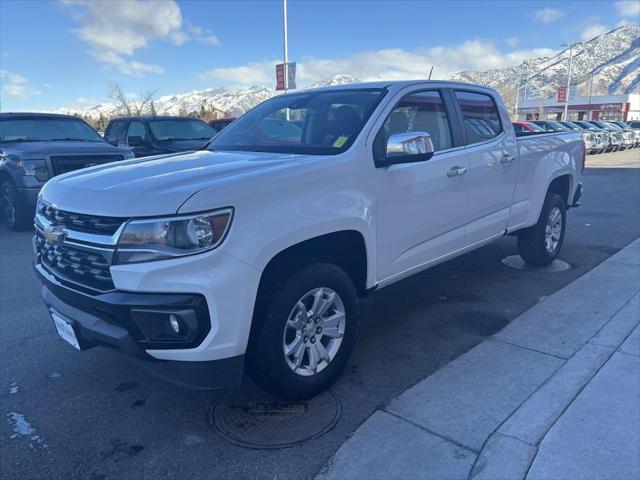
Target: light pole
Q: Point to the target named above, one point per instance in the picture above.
(566, 98)
(518, 82)
(590, 92)
(286, 46)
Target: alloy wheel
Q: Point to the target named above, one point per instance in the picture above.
(553, 230)
(314, 331)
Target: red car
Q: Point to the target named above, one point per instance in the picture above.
(527, 127)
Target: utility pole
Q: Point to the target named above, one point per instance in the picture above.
(518, 82)
(566, 98)
(590, 92)
(286, 46)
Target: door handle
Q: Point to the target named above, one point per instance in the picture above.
(507, 158)
(455, 171)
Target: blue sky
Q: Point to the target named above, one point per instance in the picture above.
(64, 53)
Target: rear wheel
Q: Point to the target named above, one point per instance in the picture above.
(15, 213)
(304, 334)
(541, 244)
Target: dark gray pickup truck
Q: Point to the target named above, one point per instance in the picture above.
(35, 147)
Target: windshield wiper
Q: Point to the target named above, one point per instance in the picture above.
(22, 140)
(73, 139)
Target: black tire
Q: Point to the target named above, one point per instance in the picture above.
(14, 211)
(532, 241)
(266, 362)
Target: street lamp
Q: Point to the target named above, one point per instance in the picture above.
(566, 98)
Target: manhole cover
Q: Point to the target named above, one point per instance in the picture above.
(250, 417)
(515, 261)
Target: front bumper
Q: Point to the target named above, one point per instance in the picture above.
(109, 320)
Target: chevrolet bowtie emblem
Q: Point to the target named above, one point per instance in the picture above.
(55, 234)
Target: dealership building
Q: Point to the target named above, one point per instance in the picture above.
(604, 107)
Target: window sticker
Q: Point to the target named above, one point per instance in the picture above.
(340, 141)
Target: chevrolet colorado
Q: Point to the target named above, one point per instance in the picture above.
(254, 252)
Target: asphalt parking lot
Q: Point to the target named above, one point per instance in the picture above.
(93, 415)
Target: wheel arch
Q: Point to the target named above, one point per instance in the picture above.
(345, 248)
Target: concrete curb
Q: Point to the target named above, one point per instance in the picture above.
(495, 404)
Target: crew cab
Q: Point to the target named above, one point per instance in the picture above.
(253, 253)
(37, 146)
(147, 136)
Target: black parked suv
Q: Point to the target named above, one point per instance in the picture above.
(156, 135)
(37, 146)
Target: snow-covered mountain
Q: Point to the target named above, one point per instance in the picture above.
(613, 59)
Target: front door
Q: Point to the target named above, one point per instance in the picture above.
(421, 206)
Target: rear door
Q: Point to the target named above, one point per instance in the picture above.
(421, 206)
(492, 155)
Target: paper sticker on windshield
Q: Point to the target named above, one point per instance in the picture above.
(340, 141)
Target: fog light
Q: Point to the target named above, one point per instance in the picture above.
(173, 321)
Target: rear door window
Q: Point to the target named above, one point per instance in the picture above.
(480, 116)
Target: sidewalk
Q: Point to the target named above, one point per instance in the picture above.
(554, 395)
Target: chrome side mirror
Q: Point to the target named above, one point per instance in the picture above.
(408, 147)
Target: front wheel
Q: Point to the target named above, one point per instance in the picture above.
(304, 334)
(541, 244)
(14, 210)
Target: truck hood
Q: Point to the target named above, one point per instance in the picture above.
(153, 185)
(44, 149)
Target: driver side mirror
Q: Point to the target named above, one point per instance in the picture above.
(136, 141)
(406, 147)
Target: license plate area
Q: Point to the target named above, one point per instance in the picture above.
(65, 329)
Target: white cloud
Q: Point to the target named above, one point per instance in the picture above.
(114, 30)
(203, 35)
(628, 9)
(17, 86)
(211, 40)
(392, 64)
(548, 15)
(179, 38)
(512, 41)
(593, 30)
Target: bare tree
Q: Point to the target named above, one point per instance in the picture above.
(145, 102)
(131, 107)
(115, 93)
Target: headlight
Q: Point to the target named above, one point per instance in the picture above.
(171, 237)
(34, 168)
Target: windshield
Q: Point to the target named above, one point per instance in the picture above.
(180, 129)
(46, 129)
(571, 125)
(315, 123)
(556, 125)
(535, 128)
(585, 125)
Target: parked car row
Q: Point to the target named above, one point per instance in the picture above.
(35, 147)
(598, 136)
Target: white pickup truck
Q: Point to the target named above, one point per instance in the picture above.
(254, 252)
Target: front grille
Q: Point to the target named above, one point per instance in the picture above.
(70, 163)
(88, 268)
(81, 222)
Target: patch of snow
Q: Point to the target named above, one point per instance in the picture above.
(22, 428)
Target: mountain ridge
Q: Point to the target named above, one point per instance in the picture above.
(611, 61)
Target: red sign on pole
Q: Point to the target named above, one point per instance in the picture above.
(562, 94)
(280, 76)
